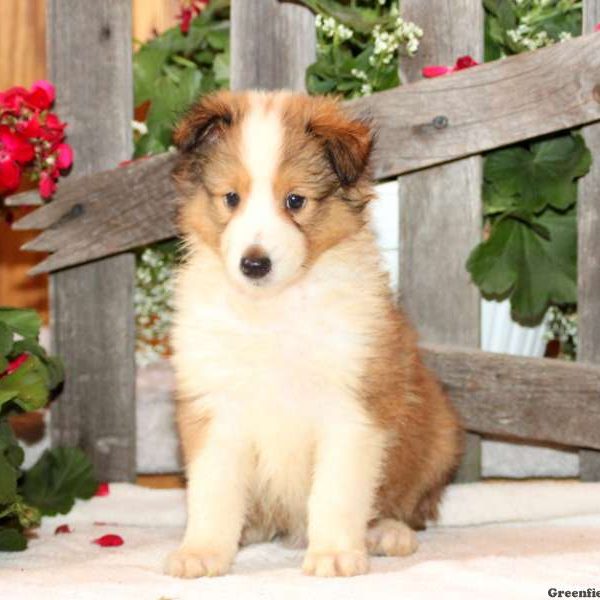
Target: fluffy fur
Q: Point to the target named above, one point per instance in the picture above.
(303, 406)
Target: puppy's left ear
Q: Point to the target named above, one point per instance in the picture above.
(347, 141)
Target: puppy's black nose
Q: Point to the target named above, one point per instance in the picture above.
(255, 265)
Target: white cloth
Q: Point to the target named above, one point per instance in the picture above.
(505, 540)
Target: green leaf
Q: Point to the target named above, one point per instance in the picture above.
(361, 20)
(59, 477)
(24, 321)
(6, 339)
(12, 540)
(542, 175)
(517, 262)
(147, 67)
(10, 461)
(31, 382)
(7, 395)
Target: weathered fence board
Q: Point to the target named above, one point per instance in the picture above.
(488, 106)
(89, 48)
(528, 398)
(435, 287)
(272, 45)
(588, 216)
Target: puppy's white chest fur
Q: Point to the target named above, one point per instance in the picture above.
(274, 373)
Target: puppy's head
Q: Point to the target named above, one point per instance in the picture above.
(271, 181)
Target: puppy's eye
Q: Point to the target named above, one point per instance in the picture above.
(232, 199)
(294, 202)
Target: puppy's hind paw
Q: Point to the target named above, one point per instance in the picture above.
(196, 563)
(336, 564)
(389, 537)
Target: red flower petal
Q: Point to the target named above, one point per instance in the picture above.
(13, 98)
(435, 71)
(47, 186)
(46, 87)
(597, 27)
(31, 128)
(17, 146)
(465, 62)
(186, 19)
(63, 529)
(64, 158)
(103, 489)
(10, 174)
(109, 540)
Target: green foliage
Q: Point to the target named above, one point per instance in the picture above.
(173, 69)
(516, 26)
(59, 477)
(529, 198)
(358, 47)
(530, 190)
(27, 376)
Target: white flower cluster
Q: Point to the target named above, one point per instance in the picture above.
(524, 37)
(330, 28)
(153, 304)
(386, 43)
(366, 88)
(563, 327)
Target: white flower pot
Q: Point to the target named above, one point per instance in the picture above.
(499, 333)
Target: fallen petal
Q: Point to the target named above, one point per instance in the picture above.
(103, 489)
(109, 540)
(63, 529)
(435, 71)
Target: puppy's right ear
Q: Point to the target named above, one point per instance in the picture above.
(205, 122)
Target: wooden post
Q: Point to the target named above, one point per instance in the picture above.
(272, 44)
(588, 222)
(440, 208)
(90, 51)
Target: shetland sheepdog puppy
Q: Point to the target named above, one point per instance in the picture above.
(303, 406)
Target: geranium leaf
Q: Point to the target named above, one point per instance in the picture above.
(24, 321)
(12, 540)
(31, 383)
(59, 477)
(6, 339)
(543, 175)
(517, 262)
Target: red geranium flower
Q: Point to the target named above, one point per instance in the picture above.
(32, 139)
(189, 9)
(15, 151)
(109, 540)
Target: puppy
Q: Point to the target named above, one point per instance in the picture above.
(302, 403)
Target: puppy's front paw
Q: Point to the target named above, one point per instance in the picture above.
(336, 564)
(189, 563)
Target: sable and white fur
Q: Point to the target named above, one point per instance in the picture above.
(303, 406)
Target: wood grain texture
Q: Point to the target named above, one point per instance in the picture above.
(272, 44)
(491, 105)
(588, 292)
(538, 399)
(440, 208)
(89, 50)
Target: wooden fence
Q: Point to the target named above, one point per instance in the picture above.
(431, 133)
